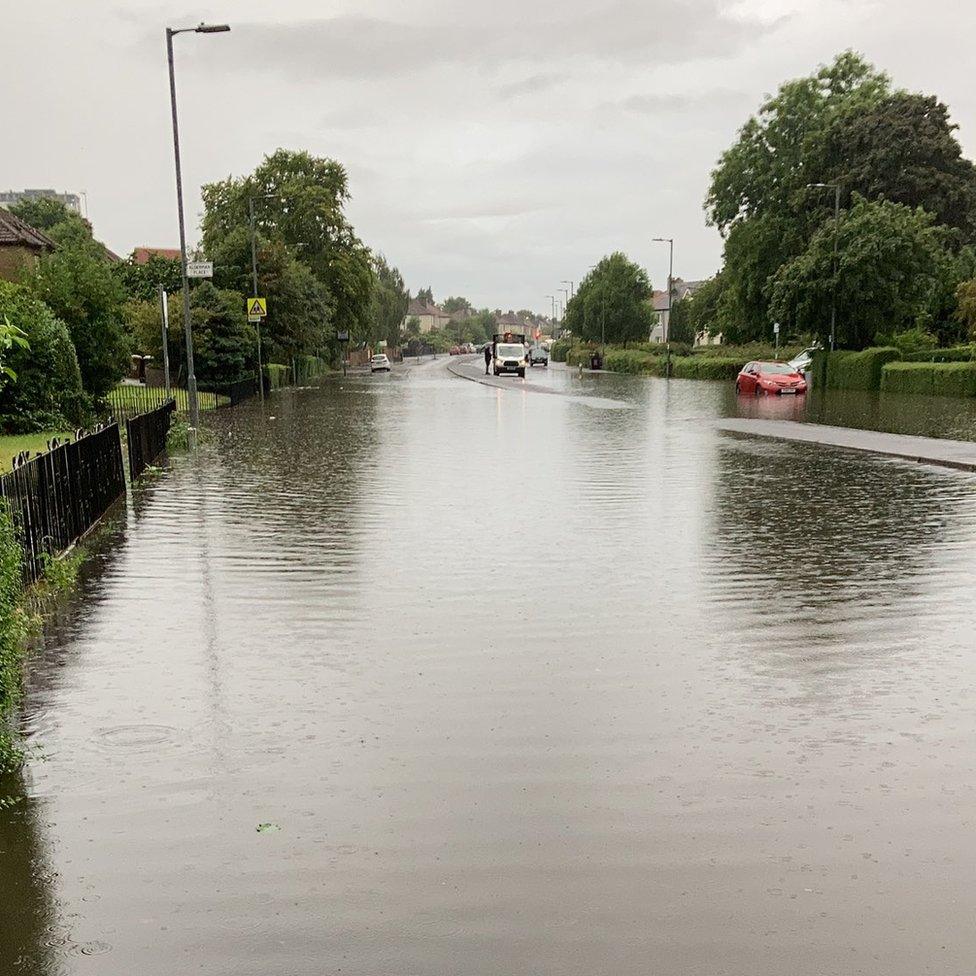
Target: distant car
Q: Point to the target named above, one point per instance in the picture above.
(379, 363)
(772, 379)
(538, 354)
(455, 350)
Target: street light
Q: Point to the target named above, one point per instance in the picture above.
(669, 241)
(552, 298)
(833, 291)
(572, 287)
(191, 379)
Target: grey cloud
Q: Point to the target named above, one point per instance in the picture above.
(624, 31)
(531, 85)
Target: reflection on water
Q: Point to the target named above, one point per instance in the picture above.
(526, 687)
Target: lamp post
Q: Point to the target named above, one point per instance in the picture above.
(572, 287)
(191, 379)
(833, 289)
(552, 298)
(670, 242)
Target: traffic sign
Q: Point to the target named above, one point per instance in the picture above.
(343, 336)
(257, 307)
(199, 269)
(776, 328)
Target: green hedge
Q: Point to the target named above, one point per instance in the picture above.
(633, 361)
(859, 370)
(277, 375)
(930, 379)
(559, 349)
(954, 354)
(705, 368)
(13, 632)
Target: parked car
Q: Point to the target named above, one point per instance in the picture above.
(769, 378)
(538, 354)
(379, 363)
(803, 362)
(455, 350)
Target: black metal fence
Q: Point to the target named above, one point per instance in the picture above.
(58, 496)
(145, 437)
(131, 399)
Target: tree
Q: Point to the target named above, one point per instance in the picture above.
(426, 295)
(11, 337)
(616, 292)
(902, 148)
(889, 258)
(48, 393)
(78, 284)
(703, 307)
(680, 328)
(299, 202)
(390, 301)
(141, 281)
(413, 327)
(966, 307)
(455, 304)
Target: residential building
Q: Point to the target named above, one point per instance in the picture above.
(20, 246)
(141, 255)
(431, 316)
(680, 290)
(71, 200)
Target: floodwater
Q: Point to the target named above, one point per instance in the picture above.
(411, 675)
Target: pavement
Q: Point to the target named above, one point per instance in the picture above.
(925, 450)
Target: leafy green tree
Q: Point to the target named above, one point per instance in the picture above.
(966, 307)
(77, 283)
(617, 291)
(902, 147)
(455, 304)
(680, 327)
(299, 202)
(703, 307)
(390, 301)
(11, 337)
(46, 215)
(426, 295)
(889, 258)
(413, 327)
(48, 393)
(140, 281)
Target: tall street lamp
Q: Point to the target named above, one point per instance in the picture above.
(833, 290)
(191, 379)
(670, 242)
(552, 298)
(572, 287)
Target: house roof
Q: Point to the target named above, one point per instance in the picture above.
(15, 232)
(659, 301)
(417, 307)
(141, 255)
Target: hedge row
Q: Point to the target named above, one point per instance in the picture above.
(859, 370)
(277, 375)
(706, 367)
(954, 354)
(13, 631)
(930, 379)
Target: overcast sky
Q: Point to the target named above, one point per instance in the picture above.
(493, 148)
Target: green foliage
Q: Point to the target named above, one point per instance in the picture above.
(911, 340)
(278, 375)
(965, 312)
(141, 281)
(954, 354)
(48, 393)
(389, 301)
(10, 337)
(612, 301)
(634, 361)
(681, 323)
(559, 349)
(14, 629)
(317, 275)
(223, 340)
(888, 260)
(413, 327)
(456, 304)
(930, 379)
(706, 367)
(859, 370)
(78, 285)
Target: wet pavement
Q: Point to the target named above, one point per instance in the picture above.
(429, 677)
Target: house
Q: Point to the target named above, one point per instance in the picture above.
(21, 246)
(141, 255)
(431, 316)
(680, 290)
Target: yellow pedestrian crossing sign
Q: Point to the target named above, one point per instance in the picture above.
(257, 308)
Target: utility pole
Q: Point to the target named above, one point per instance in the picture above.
(552, 298)
(254, 277)
(164, 314)
(191, 379)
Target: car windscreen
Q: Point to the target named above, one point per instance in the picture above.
(509, 351)
(776, 368)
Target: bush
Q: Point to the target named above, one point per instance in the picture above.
(930, 379)
(47, 393)
(859, 370)
(749, 351)
(13, 632)
(705, 368)
(559, 349)
(954, 354)
(277, 374)
(909, 341)
(633, 361)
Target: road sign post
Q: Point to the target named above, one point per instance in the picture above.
(776, 334)
(164, 311)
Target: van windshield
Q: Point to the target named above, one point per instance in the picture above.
(509, 351)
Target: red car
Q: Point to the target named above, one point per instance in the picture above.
(770, 378)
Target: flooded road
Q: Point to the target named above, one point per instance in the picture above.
(426, 677)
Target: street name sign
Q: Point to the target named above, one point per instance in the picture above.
(199, 269)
